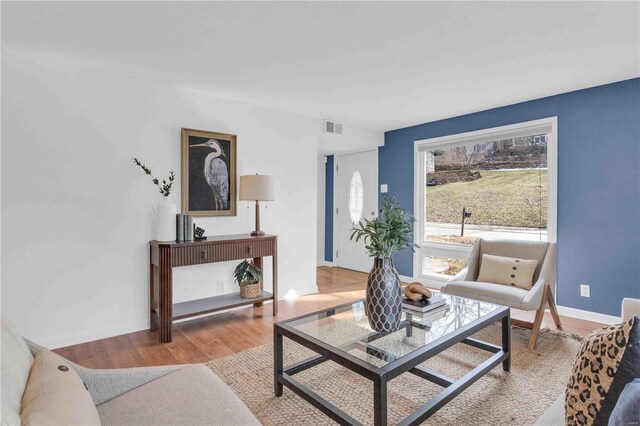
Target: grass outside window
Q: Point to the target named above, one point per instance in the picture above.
(508, 198)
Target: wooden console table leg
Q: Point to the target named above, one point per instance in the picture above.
(166, 294)
(258, 262)
(153, 301)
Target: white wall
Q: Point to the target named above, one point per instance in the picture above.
(77, 215)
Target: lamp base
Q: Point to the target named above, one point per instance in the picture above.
(257, 232)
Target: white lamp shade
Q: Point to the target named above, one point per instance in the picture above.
(256, 188)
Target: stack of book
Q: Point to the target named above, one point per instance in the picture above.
(434, 306)
(184, 227)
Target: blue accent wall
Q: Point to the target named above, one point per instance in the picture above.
(598, 185)
(328, 209)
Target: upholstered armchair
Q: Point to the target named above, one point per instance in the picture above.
(466, 284)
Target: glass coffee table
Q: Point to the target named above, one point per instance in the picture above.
(342, 335)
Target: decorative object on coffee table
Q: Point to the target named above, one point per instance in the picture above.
(165, 220)
(248, 276)
(384, 236)
(416, 291)
(256, 188)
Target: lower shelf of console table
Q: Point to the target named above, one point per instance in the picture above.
(216, 303)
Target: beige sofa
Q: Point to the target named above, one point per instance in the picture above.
(554, 416)
(168, 395)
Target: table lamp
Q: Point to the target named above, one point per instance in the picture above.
(256, 188)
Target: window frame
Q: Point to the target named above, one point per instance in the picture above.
(432, 248)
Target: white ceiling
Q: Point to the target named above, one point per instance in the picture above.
(378, 65)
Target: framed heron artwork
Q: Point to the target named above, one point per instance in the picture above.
(208, 173)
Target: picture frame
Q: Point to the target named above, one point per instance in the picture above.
(208, 173)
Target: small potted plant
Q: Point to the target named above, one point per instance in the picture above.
(248, 276)
(383, 237)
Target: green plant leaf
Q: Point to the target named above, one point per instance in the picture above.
(387, 234)
(247, 272)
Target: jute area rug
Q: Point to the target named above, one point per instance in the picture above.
(516, 398)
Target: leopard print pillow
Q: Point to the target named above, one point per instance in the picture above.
(589, 398)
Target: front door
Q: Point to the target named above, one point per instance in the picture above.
(357, 198)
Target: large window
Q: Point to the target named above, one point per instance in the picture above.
(497, 183)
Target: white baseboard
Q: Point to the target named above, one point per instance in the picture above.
(312, 289)
(327, 263)
(562, 310)
(588, 315)
(75, 339)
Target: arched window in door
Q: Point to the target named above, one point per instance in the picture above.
(356, 197)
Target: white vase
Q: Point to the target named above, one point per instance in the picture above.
(165, 220)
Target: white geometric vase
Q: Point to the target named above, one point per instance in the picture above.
(165, 220)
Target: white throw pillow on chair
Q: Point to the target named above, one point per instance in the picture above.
(507, 271)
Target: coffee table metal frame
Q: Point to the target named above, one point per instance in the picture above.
(380, 376)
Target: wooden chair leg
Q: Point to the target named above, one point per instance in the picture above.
(554, 310)
(535, 330)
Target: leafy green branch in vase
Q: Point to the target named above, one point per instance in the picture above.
(387, 234)
(165, 188)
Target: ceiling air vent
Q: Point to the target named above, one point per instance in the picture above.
(332, 127)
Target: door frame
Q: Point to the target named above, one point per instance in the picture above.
(335, 193)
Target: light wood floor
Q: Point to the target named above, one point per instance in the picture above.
(224, 334)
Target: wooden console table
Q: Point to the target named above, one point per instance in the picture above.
(164, 256)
